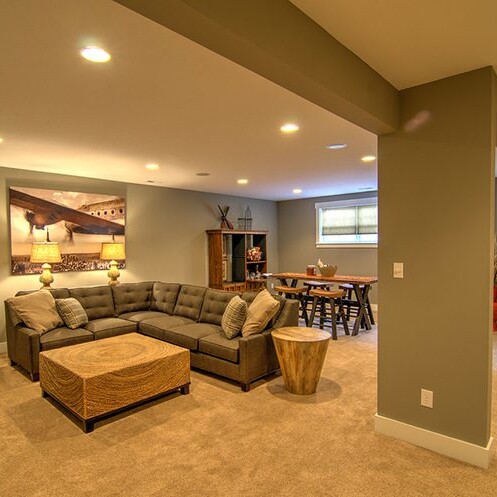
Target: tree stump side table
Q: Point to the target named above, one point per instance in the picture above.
(301, 353)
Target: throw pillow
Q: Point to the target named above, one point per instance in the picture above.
(72, 312)
(233, 317)
(37, 310)
(260, 311)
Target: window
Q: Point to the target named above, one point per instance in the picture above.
(347, 222)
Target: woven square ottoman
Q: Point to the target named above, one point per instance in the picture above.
(97, 379)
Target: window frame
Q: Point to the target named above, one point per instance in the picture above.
(337, 204)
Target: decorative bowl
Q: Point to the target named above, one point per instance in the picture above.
(328, 270)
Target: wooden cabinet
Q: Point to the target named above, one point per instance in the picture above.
(230, 267)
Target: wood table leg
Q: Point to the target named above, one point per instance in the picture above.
(362, 312)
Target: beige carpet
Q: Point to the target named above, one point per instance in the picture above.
(218, 441)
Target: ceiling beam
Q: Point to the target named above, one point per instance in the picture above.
(279, 42)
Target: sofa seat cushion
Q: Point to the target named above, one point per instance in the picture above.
(219, 346)
(139, 316)
(164, 322)
(109, 327)
(185, 335)
(60, 337)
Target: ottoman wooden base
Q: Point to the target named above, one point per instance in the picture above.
(97, 379)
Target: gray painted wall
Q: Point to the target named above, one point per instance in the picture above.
(165, 231)
(436, 198)
(297, 241)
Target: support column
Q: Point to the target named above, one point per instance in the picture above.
(436, 205)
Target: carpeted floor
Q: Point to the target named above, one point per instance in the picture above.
(218, 441)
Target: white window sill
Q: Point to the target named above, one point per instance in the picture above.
(347, 245)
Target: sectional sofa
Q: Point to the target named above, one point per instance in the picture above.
(184, 315)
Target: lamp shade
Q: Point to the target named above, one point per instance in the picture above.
(112, 251)
(45, 252)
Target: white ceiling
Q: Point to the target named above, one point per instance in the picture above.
(165, 99)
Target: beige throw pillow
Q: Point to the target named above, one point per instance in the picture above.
(233, 317)
(37, 310)
(260, 311)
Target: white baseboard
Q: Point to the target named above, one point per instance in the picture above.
(448, 446)
(3, 347)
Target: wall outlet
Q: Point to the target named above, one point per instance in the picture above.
(427, 398)
(398, 269)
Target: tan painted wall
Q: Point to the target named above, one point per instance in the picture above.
(297, 241)
(436, 201)
(165, 231)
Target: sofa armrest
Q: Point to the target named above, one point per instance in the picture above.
(257, 356)
(27, 348)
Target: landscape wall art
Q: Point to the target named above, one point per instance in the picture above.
(79, 222)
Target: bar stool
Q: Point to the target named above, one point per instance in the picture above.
(313, 285)
(334, 299)
(350, 303)
(291, 292)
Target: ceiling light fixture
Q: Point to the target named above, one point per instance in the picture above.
(289, 128)
(336, 146)
(368, 158)
(95, 54)
(242, 181)
(297, 190)
(152, 166)
(1, 139)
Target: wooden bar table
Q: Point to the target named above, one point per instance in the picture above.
(365, 314)
(301, 353)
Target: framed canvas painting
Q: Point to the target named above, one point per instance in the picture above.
(79, 222)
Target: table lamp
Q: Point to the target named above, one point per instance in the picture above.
(113, 251)
(45, 252)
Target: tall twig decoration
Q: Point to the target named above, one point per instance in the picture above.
(225, 224)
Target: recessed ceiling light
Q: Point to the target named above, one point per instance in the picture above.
(336, 146)
(152, 166)
(368, 158)
(289, 128)
(95, 54)
(297, 190)
(1, 139)
(203, 174)
(242, 181)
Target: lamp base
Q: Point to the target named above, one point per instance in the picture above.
(46, 276)
(113, 273)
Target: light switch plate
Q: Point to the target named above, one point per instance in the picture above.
(398, 269)
(427, 398)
